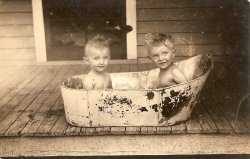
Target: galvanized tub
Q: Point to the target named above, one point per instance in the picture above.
(131, 103)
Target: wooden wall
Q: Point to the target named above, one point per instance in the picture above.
(16, 31)
(195, 25)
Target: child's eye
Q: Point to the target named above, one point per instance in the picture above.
(106, 58)
(155, 56)
(97, 58)
(164, 53)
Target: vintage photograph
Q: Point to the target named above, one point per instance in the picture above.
(124, 78)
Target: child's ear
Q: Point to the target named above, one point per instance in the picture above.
(85, 59)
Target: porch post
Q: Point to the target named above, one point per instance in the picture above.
(131, 36)
(39, 32)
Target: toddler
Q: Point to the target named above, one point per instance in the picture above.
(161, 50)
(97, 55)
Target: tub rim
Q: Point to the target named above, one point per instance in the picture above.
(140, 89)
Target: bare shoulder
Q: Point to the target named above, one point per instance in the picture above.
(174, 69)
(178, 75)
(108, 80)
(107, 76)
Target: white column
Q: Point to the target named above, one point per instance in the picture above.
(131, 36)
(39, 33)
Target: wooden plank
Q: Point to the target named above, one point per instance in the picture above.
(7, 71)
(15, 6)
(207, 124)
(17, 111)
(143, 130)
(179, 26)
(61, 126)
(23, 119)
(50, 118)
(114, 68)
(57, 110)
(17, 42)
(163, 130)
(179, 129)
(15, 18)
(190, 50)
(88, 131)
(11, 83)
(16, 128)
(111, 145)
(19, 88)
(35, 122)
(193, 125)
(216, 115)
(16, 30)
(103, 130)
(117, 130)
(132, 130)
(12, 99)
(142, 67)
(179, 14)
(17, 76)
(148, 130)
(124, 68)
(22, 54)
(150, 66)
(175, 4)
(228, 106)
(190, 38)
(70, 130)
(133, 68)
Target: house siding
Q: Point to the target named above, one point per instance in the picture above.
(16, 31)
(197, 26)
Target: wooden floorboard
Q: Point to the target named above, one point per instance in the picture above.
(17, 111)
(10, 83)
(61, 127)
(19, 89)
(193, 124)
(217, 116)
(207, 124)
(25, 117)
(9, 104)
(7, 73)
(31, 105)
(55, 112)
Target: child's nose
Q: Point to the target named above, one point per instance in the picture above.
(102, 61)
(160, 57)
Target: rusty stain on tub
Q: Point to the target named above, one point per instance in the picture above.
(173, 104)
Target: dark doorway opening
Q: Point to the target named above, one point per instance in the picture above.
(70, 23)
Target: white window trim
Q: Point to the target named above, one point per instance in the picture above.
(39, 32)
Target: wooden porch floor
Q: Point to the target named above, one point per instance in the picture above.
(31, 105)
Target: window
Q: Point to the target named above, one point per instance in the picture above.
(68, 24)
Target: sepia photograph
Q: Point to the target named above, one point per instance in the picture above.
(125, 79)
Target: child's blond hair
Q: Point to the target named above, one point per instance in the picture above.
(97, 42)
(157, 39)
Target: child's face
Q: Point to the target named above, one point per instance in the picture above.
(98, 59)
(161, 56)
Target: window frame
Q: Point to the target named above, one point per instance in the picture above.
(39, 32)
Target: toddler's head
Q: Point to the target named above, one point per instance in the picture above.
(160, 49)
(97, 53)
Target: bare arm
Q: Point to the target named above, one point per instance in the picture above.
(179, 76)
(88, 83)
